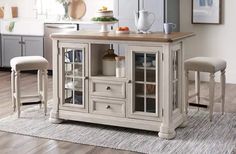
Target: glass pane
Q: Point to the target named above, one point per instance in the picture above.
(139, 104)
(78, 91)
(78, 56)
(151, 60)
(68, 69)
(175, 95)
(139, 89)
(151, 105)
(78, 97)
(175, 65)
(78, 85)
(68, 55)
(139, 74)
(151, 89)
(151, 75)
(139, 59)
(69, 84)
(69, 96)
(78, 70)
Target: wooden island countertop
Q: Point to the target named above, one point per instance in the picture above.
(152, 37)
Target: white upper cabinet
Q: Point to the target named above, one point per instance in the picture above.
(163, 10)
(156, 7)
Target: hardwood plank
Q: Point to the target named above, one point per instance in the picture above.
(13, 143)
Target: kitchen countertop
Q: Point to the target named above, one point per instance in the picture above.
(153, 37)
(33, 27)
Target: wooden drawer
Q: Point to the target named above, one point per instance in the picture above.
(108, 88)
(104, 106)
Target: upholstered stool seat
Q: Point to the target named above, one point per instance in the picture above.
(209, 65)
(205, 64)
(28, 63)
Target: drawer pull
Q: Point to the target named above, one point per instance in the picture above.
(108, 107)
(108, 88)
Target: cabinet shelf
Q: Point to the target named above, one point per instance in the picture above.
(75, 63)
(74, 76)
(147, 68)
(147, 96)
(74, 89)
(142, 82)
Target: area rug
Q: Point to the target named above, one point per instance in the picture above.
(200, 136)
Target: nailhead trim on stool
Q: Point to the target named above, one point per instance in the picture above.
(209, 65)
(27, 63)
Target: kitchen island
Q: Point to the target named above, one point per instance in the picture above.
(149, 97)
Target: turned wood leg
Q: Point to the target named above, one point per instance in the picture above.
(39, 75)
(197, 87)
(17, 92)
(13, 89)
(186, 91)
(211, 94)
(45, 80)
(223, 90)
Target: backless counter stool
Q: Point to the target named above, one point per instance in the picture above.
(209, 65)
(28, 63)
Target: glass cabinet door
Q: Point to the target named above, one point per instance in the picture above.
(74, 76)
(145, 72)
(175, 78)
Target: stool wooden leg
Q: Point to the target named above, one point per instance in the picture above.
(45, 80)
(197, 87)
(211, 94)
(17, 88)
(223, 90)
(40, 86)
(13, 89)
(186, 90)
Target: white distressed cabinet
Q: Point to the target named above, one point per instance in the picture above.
(149, 97)
(73, 63)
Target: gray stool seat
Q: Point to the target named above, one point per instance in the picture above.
(29, 63)
(205, 64)
(211, 66)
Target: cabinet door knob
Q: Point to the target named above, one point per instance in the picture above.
(129, 81)
(108, 107)
(108, 88)
(86, 78)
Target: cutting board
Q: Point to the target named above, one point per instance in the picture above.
(1, 12)
(77, 9)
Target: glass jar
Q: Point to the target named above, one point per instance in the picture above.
(120, 66)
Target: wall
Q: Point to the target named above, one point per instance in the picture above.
(212, 40)
(26, 8)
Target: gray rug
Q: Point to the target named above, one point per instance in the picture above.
(200, 136)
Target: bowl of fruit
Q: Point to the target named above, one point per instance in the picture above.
(122, 30)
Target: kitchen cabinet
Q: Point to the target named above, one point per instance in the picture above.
(164, 10)
(149, 97)
(16, 45)
(144, 77)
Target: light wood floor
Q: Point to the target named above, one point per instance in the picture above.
(14, 144)
(19, 144)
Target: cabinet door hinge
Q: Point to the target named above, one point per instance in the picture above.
(162, 56)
